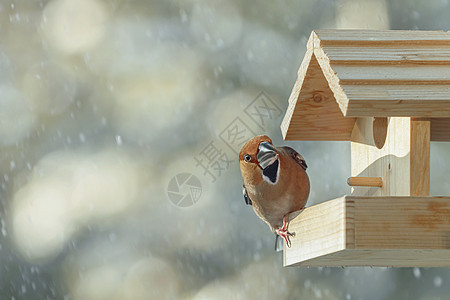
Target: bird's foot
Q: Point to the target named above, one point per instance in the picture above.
(284, 233)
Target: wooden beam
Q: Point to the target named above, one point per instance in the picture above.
(392, 73)
(421, 55)
(440, 129)
(398, 100)
(286, 127)
(319, 230)
(372, 231)
(420, 157)
(377, 37)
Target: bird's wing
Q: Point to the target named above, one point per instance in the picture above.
(296, 156)
(246, 197)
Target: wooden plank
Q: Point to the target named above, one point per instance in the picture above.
(286, 128)
(391, 162)
(294, 97)
(398, 100)
(381, 35)
(391, 55)
(441, 83)
(420, 157)
(320, 230)
(399, 108)
(392, 74)
(330, 75)
(385, 43)
(440, 129)
(378, 231)
(394, 93)
(295, 93)
(381, 38)
(380, 258)
(313, 113)
(401, 222)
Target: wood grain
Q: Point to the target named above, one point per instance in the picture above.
(326, 223)
(365, 181)
(369, 73)
(391, 162)
(421, 94)
(403, 162)
(391, 55)
(420, 157)
(313, 114)
(348, 78)
(375, 36)
(372, 231)
(440, 129)
(373, 79)
(412, 73)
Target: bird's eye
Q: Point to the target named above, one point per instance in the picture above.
(247, 157)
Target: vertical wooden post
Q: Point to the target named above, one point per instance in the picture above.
(420, 157)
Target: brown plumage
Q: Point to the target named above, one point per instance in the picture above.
(275, 182)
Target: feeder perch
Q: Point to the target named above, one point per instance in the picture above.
(388, 93)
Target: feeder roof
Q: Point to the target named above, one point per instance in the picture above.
(365, 73)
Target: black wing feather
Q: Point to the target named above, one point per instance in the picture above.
(246, 197)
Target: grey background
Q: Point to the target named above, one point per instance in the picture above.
(103, 102)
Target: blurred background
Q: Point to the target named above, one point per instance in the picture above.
(119, 127)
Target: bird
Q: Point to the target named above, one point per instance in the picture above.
(275, 183)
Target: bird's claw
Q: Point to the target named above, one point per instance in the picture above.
(284, 233)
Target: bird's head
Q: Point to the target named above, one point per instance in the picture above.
(252, 151)
(257, 154)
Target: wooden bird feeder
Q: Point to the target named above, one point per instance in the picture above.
(388, 93)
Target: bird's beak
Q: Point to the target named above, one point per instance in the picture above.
(266, 154)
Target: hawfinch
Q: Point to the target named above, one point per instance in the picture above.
(275, 182)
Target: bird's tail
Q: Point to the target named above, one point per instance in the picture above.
(278, 243)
